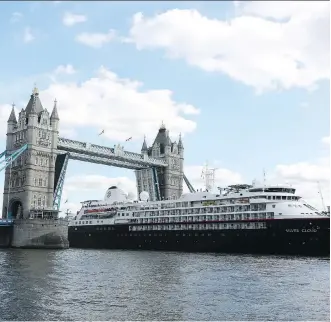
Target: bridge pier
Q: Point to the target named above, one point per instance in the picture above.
(6, 234)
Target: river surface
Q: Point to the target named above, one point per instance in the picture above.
(47, 285)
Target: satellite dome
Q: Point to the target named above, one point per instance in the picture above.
(144, 196)
(115, 194)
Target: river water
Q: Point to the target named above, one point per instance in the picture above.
(141, 285)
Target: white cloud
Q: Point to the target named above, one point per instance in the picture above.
(15, 17)
(307, 178)
(68, 133)
(123, 109)
(326, 140)
(70, 19)
(95, 40)
(267, 45)
(28, 36)
(65, 69)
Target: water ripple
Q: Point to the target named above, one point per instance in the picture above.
(125, 285)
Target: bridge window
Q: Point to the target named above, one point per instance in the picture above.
(34, 181)
(161, 148)
(36, 161)
(39, 201)
(40, 182)
(44, 201)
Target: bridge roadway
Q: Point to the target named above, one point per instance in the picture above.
(116, 156)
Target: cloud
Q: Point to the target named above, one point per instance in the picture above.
(71, 19)
(326, 140)
(308, 178)
(95, 40)
(305, 171)
(123, 109)
(28, 36)
(65, 69)
(68, 133)
(266, 45)
(15, 17)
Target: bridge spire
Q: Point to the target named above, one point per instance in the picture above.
(12, 116)
(55, 114)
(180, 142)
(144, 147)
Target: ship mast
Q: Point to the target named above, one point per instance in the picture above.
(208, 174)
(320, 192)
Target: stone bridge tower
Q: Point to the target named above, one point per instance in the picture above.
(170, 178)
(29, 181)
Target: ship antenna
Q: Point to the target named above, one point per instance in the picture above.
(264, 177)
(320, 192)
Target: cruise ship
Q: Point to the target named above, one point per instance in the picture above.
(242, 219)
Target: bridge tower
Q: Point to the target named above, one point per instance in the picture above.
(170, 178)
(29, 180)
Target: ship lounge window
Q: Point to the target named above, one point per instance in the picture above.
(283, 197)
(278, 197)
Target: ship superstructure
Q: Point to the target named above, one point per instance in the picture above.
(268, 219)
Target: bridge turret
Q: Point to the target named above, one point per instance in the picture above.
(55, 114)
(170, 178)
(144, 149)
(12, 121)
(11, 128)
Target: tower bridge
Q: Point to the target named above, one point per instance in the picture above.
(36, 158)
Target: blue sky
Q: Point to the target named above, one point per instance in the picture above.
(254, 79)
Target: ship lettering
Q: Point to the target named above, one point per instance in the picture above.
(309, 230)
(292, 230)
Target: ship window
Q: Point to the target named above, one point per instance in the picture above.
(273, 206)
(284, 197)
(278, 197)
(90, 222)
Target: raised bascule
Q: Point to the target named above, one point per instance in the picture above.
(35, 163)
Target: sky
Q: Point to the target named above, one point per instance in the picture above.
(245, 83)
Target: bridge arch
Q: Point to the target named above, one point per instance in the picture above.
(15, 209)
